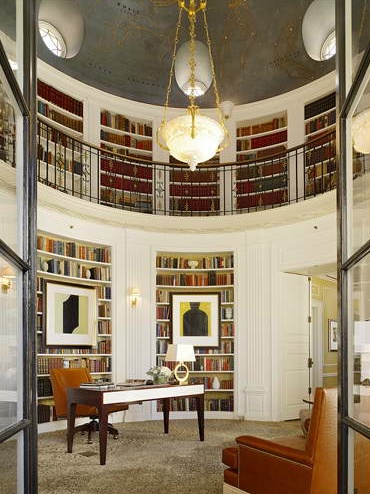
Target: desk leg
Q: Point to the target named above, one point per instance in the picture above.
(70, 426)
(200, 413)
(166, 413)
(103, 431)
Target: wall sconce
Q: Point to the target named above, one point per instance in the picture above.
(135, 297)
(6, 274)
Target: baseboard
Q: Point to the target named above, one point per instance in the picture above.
(230, 489)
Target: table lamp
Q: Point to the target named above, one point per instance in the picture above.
(180, 353)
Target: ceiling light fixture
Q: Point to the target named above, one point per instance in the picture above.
(361, 131)
(192, 138)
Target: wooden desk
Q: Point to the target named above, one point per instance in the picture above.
(103, 399)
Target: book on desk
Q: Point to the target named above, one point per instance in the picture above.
(98, 385)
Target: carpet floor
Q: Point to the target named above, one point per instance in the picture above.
(144, 460)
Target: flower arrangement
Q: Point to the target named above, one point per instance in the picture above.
(160, 374)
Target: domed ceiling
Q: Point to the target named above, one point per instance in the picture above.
(257, 48)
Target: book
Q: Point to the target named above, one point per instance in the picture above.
(98, 385)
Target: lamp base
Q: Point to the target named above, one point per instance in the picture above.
(183, 379)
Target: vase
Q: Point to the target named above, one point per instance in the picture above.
(160, 379)
(216, 383)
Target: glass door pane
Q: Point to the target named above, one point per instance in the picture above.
(11, 395)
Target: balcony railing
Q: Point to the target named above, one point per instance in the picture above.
(125, 182)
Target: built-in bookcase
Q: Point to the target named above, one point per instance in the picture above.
(127, 184)
(7, 128)
(261, 184)
(79, 263)
(320, 164)
(211, 272)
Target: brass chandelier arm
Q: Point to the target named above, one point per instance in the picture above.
(192, 9)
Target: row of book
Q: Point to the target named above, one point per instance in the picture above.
(163, 312)
(72, 268)
(120, 122)
(59, 138)
(104, 292)
(104, 327)
(60, 99)
(129, 169)
(126, 140)
(60, 118)
(321, 122)
(321, 184)
(261, 184)
(319, 106)
(262, 200)
(320, 169)
(260, 142)
(163, 296)
(104, 310)
(210, 404)
(162, 330)
(208, 382)
(191, 205)
(227, 329)
(126, 184)
(262, 153)
(45, 364)
(211, 278)
(191, 190)
(62, 163)
(74, 249)
(43, 413)
(125, 199)
(195, 177)
(206, 262)
(44, 387)
(275, 123)
(261, 170)
(318, 154)
(102, 347)
(125, 152)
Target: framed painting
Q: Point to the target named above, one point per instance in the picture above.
(333, 335)
(70, 315)
(196, 319)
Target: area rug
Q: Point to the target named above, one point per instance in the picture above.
(144, 460)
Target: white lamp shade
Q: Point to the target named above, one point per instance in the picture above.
(317, 25)
(203, 71)
(180, 353)
(361, 132)
(208, 136)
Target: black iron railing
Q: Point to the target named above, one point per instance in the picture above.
(125, 182)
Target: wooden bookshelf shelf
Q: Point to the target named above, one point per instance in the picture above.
(75, 262)
(210, 362)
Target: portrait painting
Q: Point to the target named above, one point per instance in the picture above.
(195, 319)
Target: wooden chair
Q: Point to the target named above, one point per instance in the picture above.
(61, 379)
(288, 465)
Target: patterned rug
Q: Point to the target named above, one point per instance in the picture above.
(144, 460)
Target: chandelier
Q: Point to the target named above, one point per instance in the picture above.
(192, 138)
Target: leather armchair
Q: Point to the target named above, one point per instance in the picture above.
(288, 465)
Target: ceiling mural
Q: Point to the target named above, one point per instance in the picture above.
(256, 44)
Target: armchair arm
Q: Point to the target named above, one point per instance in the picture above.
(292, 448)
(267, 466)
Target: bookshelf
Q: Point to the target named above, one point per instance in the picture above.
(320, 165)
(214, 367)
(261, 185)
(7, 128)
(194, 192)
(63, 111)
(81, 264)
(128, 184)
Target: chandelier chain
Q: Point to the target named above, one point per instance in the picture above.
(172, 64)
(217, 96)
(192, 62)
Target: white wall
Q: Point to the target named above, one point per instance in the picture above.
(270, 308)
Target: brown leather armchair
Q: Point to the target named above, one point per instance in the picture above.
(61, 379)
(288, 465)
